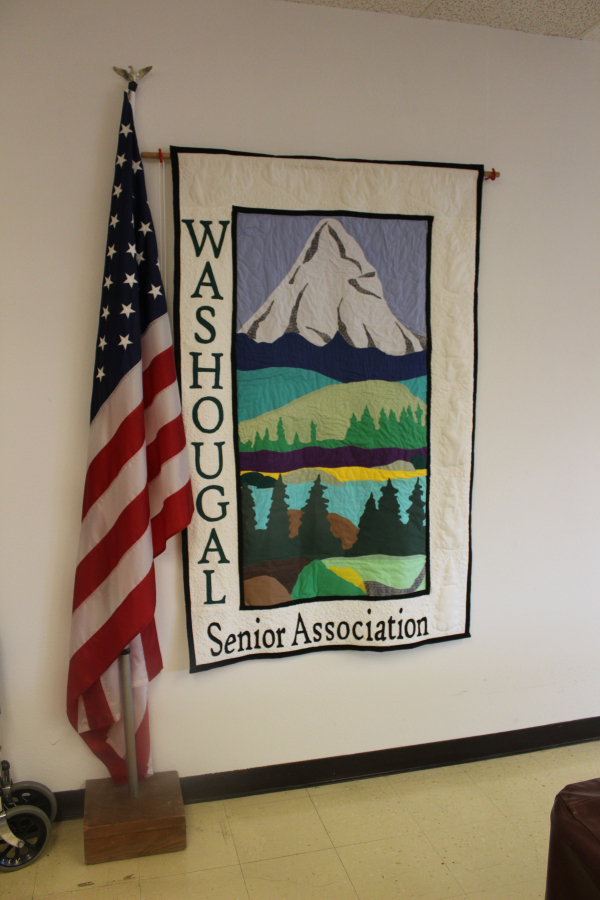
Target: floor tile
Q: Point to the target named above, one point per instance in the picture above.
(19, 884)
(530, 890)
(494, 856)
(535, 827)
(268, 830)
(128, 890)
(519, 763)
(404, 868)
(352, 817)
(448, 775)
(516, 790)
(63, 867)
(214, 884)
(209, 844)
(310, 876)
(448, 805)
(588, 753)
(274, 797)
(565, 766)
(377, 787)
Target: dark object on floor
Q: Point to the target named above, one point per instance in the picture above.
(574, 857)
(117, 827)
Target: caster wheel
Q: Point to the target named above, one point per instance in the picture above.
(30, 825)
(32, 793)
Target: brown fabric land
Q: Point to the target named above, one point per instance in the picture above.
(285, 571)
(341, 527)
(265, 591)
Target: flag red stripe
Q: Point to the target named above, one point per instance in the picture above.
(159, 375)
(106, 465)
(102, 559)
(151, 647)
(169, 441)
(100, 651)
(175, 515)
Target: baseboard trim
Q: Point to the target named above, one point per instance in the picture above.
(312, 772)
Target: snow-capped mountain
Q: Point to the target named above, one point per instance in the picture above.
(330, 288)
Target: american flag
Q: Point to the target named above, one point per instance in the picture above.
(137, 490)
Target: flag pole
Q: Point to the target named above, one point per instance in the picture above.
(132, 77)
(128, 723)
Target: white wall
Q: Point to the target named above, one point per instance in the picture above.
(264, 75)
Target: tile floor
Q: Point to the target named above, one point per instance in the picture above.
(478, 831)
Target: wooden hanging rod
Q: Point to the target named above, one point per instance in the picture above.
(151, 154)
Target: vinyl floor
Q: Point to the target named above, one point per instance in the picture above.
(478, 830)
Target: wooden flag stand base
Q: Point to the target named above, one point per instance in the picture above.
(134, 819)
(117, 827)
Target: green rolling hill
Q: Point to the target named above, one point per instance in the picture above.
(331, 409)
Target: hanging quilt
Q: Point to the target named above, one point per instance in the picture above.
(325, 318)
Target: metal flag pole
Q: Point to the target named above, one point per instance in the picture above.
(132, 77)
(128, 722)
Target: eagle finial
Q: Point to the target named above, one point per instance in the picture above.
(132, 75)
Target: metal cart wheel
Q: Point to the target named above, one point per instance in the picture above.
(32, 793)
(32, 826)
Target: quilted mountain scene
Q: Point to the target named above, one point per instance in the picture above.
(331, 364)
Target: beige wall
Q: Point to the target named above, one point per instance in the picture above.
(276, 77)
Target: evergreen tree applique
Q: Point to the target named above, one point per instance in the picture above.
(314, 535)
(277, 541)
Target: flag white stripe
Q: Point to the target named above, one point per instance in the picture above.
(165, 407)
(82, 719)
(127, 395)
(116, 733)
(97, 609)
(174, 474)
(156, 339)
(111, 685)
(139, 672)
(101, 517)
